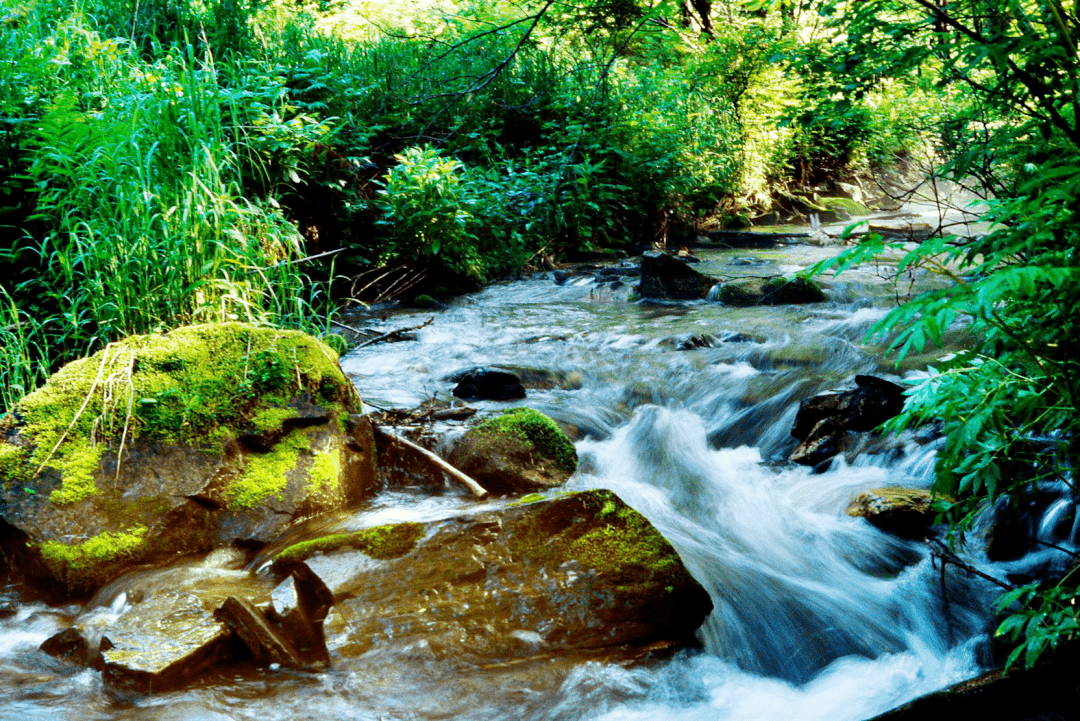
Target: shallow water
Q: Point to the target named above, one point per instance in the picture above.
(817, 615)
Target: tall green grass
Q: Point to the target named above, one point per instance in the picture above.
(136, 172)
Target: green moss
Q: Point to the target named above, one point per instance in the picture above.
(531, 498)
(81, 462)
(381, 542)
(13, 463)
(537, 430)
(601, 532)
(424, 301)
(270, 420)
(846, 205)
(201, 385)
(266, 474)
(326, 469)
(337, 342)
(779, 291)
(105, 546)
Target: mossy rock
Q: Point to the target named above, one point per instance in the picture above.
(521, 450)
(745, 292)
(175, 443)
(576, 571)
(842, 208)
(907, 512)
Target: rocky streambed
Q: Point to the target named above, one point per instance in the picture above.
(291, 555)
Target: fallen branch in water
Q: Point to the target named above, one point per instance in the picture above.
(470, 483)
(393, 335)
(941, 552)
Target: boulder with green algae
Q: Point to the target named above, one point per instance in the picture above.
(578, 571)
(161, 445)
(744, 292)
(519, 451)
(907, 512)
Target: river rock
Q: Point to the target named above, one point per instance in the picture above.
(663, 276)
(906, 512)
(162, 643)
(486, 384)
(823, 422)
(161, 445)
(744, 292)
(578, 571)
(520, 451)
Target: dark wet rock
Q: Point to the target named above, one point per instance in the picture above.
(489, 384)
(664, 276)
(579, 571)
(543, 378)
(618, 272)
(749, 239)
(70, 645)
(906, 512)
(266, 643)
(689, 341)
(299, 607)
(233, 433)
(163, 643)
(520, 451)
(8, 607)
(823, 422)
(744, 292)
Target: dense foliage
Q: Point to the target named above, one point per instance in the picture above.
(170, 161)
(1008, 406)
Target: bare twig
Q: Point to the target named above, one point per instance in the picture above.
(466, 480)
(392, 335)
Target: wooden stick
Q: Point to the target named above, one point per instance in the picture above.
(391, 334)
(477, 490)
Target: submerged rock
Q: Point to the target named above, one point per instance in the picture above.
(823, 422)
(522, 450)
(487, 384)
(907, 512)
(161, 445)
(663, 276)
(578, 571)
(743, 292)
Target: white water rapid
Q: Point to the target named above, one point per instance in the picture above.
(817, 615)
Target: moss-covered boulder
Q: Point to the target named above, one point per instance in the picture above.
(579, 571)
(907, 512)
(519, 451)
(744, 292)
(161, 445)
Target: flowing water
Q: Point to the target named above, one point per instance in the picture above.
(817, 614)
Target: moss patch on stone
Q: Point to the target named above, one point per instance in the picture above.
(270, 420)
(619, 541)
(266, 474)
(379, 542)
(105, 546)
(846, 205)
(81, 462)
(536, 430)
(326, 469)
(198, 385)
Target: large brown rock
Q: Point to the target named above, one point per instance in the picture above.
(578, 571)
(162, 445)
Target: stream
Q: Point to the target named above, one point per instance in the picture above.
(817, 615)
